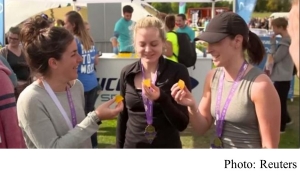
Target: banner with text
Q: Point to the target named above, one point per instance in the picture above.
(2, 37)
(245, 8)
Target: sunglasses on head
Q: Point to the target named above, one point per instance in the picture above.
(45, 16)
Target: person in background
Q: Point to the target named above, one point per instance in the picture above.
(172, 47)
(51, 110)
(10, 133)
(86, 70)
(87, 25)
(115, 45)
(293, 30)
(123, 32)
(59, 23)
(206, 22)
(237, 96)
(12, 75)
(283, 66)
(13, 53)
(183, 27)
(98, 54)
(151, 119)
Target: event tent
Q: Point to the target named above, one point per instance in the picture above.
(25, 11)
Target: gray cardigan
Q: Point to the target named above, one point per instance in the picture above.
(283, 64)
(44, 126)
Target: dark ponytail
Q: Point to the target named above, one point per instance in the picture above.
(255, 49)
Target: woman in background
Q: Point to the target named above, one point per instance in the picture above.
(283, 66)
(86, 69)
(13, 53)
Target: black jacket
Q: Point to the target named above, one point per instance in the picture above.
(169, 118)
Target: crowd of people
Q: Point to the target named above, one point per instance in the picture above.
(56, 107)
(261, 23)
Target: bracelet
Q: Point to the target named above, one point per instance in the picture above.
(94, 117)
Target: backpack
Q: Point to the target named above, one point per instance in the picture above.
(187, 51)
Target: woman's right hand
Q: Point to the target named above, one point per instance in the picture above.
(104, 111)
(183, 97)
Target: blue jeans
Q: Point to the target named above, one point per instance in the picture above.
(90, 100)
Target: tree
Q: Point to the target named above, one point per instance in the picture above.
(261, 6)
(175, 7)
(163, 7)
(273, 5)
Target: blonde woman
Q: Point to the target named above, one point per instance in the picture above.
(151, 119)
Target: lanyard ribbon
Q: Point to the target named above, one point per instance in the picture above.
(220, 117)
(148, 104)
(70, 123)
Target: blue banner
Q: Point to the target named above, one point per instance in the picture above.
(2, 36)
(291, 91)
(182, 8)
(267, 44)
(245, 8)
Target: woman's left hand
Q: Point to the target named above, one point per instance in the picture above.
(152, 93)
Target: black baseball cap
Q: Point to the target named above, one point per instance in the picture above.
(223, 25)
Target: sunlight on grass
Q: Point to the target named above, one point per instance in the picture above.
(260, 15)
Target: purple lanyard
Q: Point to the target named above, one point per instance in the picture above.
(220, 117)
(72, 107)
(148, 104)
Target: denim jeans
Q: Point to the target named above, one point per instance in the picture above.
(90, 100)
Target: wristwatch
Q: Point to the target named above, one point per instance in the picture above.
(94, 117)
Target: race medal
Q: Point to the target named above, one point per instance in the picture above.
(217, 143)
(150, 133)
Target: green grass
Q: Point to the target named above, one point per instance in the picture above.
(290, 139)
(261, 15)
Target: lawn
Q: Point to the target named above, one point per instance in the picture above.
(290, 139)
(261, 15)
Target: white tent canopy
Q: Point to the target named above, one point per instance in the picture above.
(16, 11)
(116, 1)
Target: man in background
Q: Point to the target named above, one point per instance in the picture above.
(183, 27)
(123, 32)
(293, 30)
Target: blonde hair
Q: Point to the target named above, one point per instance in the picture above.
(150, 22)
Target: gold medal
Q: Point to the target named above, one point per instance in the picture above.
(150, 129)
(150, 133)
(217, 143)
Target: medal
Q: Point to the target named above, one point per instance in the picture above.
(217, 143)
(150, 133)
